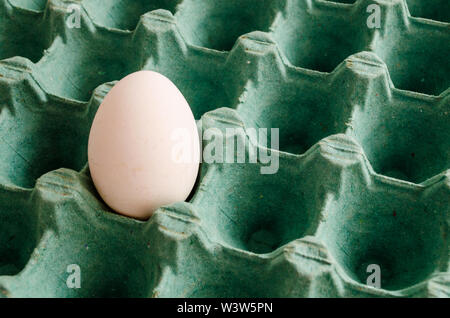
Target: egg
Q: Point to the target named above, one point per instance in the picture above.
(144, 147)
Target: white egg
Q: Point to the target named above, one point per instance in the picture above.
(144, 148)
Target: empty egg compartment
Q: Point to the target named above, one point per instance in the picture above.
(58, 70)
(399, 230)
(249, 218)
(217, 25)
(206, 268)
(301, 119)
(242, 193)
(39, 132)
(319, 35)
(414, 50)
(193, 70)
(17, 38)
(404, 135)
(304, 106)
(200, 267)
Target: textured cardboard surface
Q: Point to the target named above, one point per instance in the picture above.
(364, 173)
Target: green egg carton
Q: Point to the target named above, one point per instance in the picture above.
(363, 161)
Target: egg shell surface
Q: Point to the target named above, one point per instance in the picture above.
(144, 148)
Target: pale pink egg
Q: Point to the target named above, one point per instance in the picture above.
(144, 148)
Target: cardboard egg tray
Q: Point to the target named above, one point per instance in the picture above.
(364, 148)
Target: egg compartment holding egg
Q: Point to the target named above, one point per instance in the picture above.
(256, 78)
